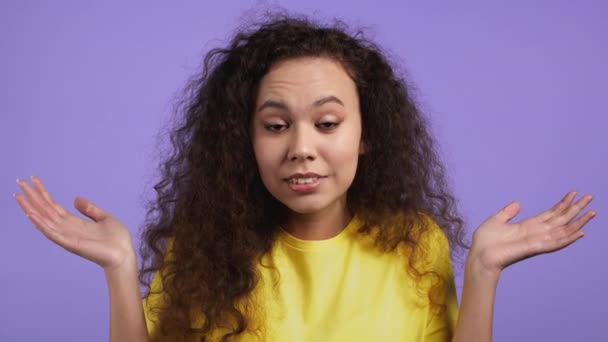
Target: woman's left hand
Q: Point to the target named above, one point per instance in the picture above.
(498, 244)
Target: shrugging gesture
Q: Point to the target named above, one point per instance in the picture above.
(102, 240)
(499, 244)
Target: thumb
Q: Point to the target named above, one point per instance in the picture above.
(508, 212)
(89, 209)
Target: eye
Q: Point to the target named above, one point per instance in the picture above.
(328, 125)
(275, 127)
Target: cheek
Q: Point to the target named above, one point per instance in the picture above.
(348, 146)
(266, 156)
(344, 152)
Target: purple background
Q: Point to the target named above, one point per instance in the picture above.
(516, 93)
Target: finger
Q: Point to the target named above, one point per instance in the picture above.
(550, 241)
(89, 209)
(24, 204)
(49, 230)
(29, 196)
(37, 202)
(558, 208)
(45, 195)
(559, 238)
(575, 226)
(571, 212)
(508, 212)
(566, 241)
(45, 227)
(564, 236)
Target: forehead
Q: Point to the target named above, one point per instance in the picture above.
(306, 78)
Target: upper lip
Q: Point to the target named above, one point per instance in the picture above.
(304, 175)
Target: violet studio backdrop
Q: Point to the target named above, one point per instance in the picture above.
(516, 93)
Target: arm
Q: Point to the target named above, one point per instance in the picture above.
(477, 304)
(103, 240)
(127, 321)
(497, 244)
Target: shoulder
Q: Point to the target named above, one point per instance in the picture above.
(436, 245)
(432, 236)
(428, 248)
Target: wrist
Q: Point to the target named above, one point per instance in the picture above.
(477, 268)
(127, 266)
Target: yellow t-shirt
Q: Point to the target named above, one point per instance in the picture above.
(343, 289)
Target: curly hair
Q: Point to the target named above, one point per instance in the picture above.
(212, 207)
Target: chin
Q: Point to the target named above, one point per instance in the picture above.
(302, 205)
(304, 210)
(306, 205)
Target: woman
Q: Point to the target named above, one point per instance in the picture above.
(304, 201)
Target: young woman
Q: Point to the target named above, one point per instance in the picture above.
(304, 201)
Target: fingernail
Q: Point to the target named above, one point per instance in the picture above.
(18, 180)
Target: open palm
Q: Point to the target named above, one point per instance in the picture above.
(104, 240)
(500, 244)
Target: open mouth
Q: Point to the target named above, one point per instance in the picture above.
(306, 184)
(308, 180)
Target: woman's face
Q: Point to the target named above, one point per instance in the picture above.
(307, 122)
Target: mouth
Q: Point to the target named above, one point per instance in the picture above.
(303, 185)
(303, 177)
(303, 180)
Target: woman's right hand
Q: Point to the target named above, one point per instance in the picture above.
(104, 240)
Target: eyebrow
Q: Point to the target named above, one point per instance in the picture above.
(317, 103)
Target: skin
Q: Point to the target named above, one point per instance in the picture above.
(303, 145)
(293, 132)
(101, 239)
(497, 244)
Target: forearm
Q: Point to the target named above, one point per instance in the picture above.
(477, 304)
(127, 322)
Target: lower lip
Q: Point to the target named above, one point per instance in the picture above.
(305, 187)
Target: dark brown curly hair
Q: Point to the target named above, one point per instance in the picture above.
(211, 203)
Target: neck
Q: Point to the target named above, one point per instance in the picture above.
(321, 225)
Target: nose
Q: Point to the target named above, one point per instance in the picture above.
(301, 144)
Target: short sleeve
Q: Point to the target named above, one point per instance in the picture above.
(150, 305)
(155, 300)
(440, 326)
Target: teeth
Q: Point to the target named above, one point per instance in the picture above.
(303, 180)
